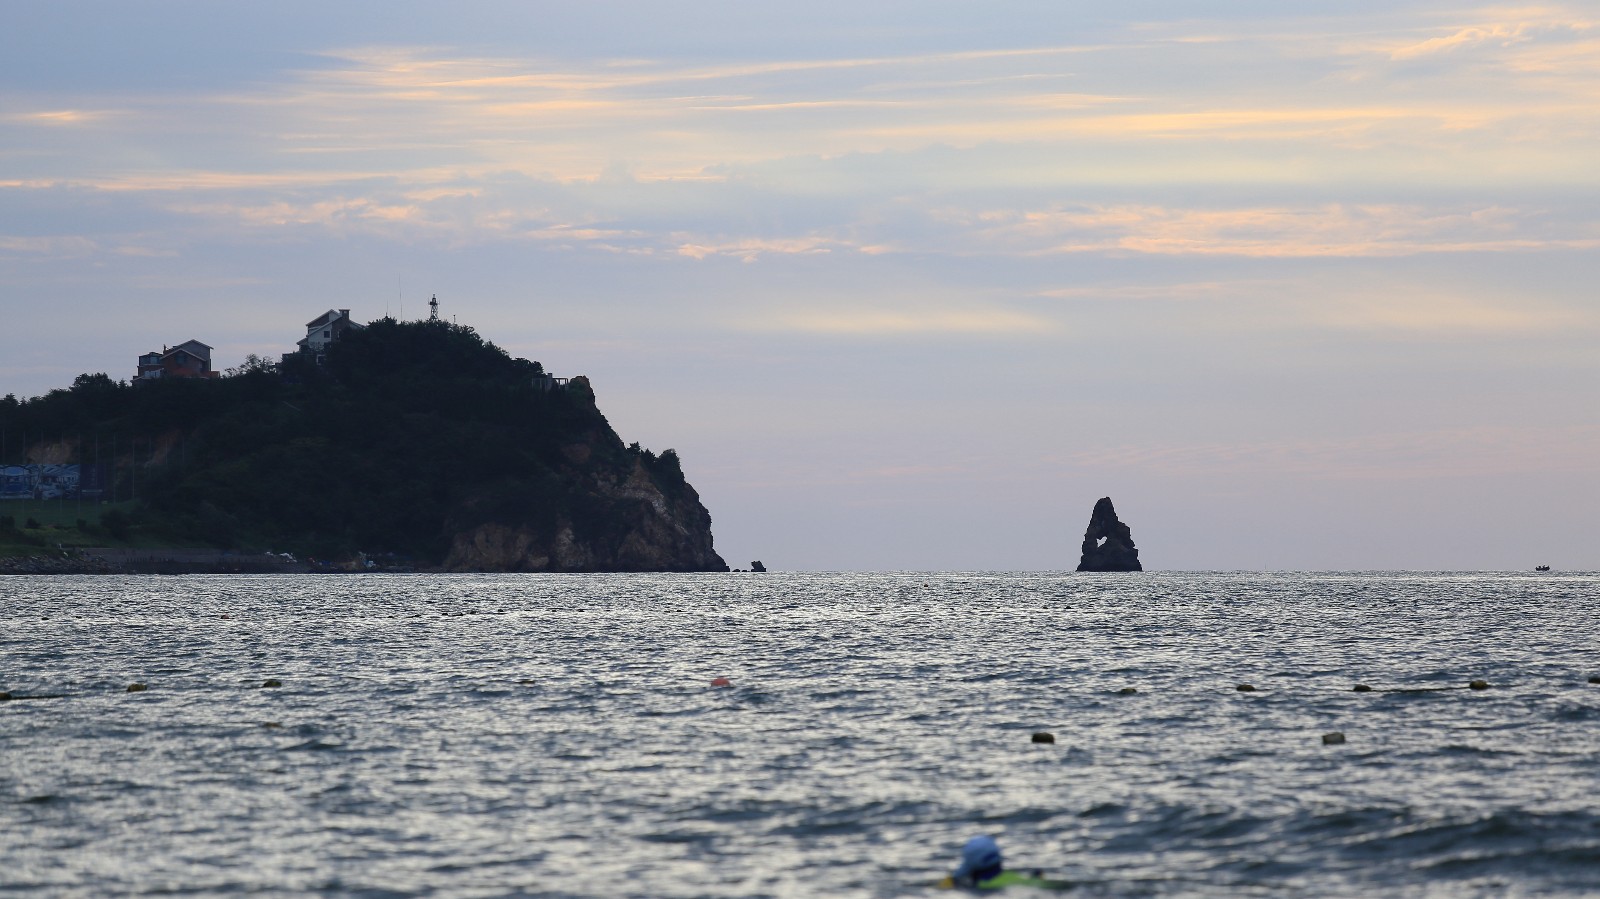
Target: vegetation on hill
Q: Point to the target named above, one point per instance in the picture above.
(410, 435)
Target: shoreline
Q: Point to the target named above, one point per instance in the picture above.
(147, 561)
(112, 561)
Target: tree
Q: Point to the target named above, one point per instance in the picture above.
(86, 383)
(251, 365)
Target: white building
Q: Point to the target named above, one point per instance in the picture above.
(326, 328)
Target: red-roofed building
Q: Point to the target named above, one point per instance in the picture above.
(190, 359)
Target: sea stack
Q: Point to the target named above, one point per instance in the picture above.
(1108, 544)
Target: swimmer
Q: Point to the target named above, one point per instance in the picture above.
(982, 868)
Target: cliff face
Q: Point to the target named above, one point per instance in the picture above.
(1108, 543)
(647, 531)
(633, 512)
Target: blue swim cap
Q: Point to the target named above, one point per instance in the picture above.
(980, 854)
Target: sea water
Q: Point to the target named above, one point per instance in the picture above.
(558, 735)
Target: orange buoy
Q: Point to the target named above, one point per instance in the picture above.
(721, 682)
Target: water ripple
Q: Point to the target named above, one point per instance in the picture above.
(476, 735)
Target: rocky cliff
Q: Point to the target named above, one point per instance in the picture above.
(628, 518)
(650, 533)
(1108, 543)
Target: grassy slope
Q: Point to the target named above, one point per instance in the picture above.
(59, 522)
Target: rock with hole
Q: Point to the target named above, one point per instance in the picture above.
(1108, 543)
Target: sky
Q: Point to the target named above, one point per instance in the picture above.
(908, 285)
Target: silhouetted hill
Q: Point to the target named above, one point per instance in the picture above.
(414, 438)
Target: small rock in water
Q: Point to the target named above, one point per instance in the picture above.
(1333, 739)
(1245, 688)
(4, 696)
(271, 682)
(1479, 685)
(137, 688)
(1044, 737)
(1594, 680)
(1362, 688)
(1128, 691)
(526, 680)
(271, 724)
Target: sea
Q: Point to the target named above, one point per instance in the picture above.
(566, 735)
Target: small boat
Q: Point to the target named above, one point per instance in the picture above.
(1541, 568)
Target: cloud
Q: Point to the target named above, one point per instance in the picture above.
(421, 116)
(751, 249)
(1325, 230)
(1198, 290)
(1450, 452)
(331, 213)
(870, 322)
(1368, 303)
(145, 252)
(64, 246)
(57, 117)
(1413, 311)
(1504, 35)
(1551, 25)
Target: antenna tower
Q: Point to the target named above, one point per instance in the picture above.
(433, 304)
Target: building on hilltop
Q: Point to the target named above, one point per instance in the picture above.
(322, 331)
(190, 359)
(325, 329)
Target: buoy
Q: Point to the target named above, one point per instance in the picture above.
(137, 688)
(1128, 691)
(1044, 737)
(1245, 688)
(271, 682)
(1362, 688)
(721, 682)
(226, 616)
(1479, 685)
(1333, 739)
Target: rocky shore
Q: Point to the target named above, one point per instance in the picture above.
(69, 564)
(146, 561)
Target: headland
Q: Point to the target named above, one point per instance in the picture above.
(393, 445)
